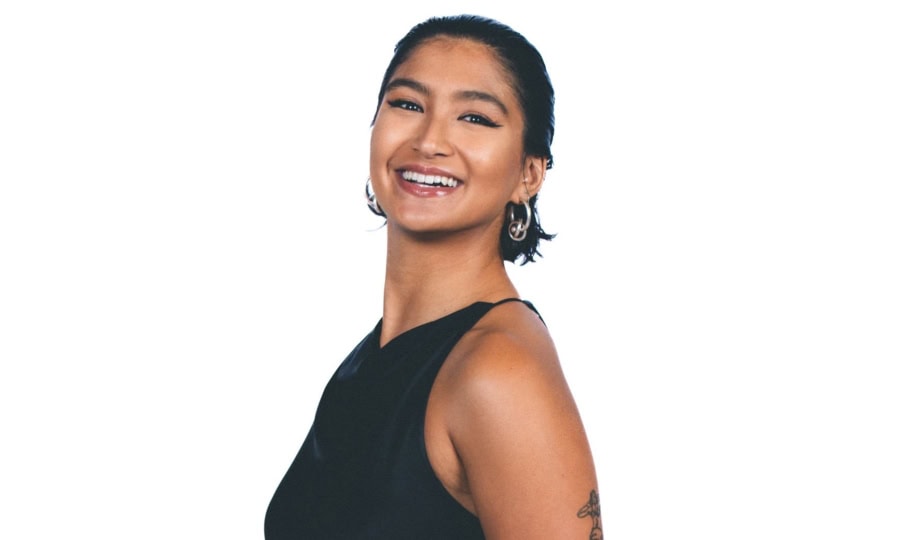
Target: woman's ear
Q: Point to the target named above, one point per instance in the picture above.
(534, 169)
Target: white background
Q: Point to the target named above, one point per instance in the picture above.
(185, 256)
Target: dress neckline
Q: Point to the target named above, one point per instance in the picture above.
(378, 330)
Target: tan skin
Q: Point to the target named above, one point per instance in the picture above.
(502, 432)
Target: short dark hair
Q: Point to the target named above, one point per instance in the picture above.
(532, 86)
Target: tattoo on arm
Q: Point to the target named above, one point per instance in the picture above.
(593, 509)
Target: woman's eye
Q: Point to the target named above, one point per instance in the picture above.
(405, 104)
(480, 120)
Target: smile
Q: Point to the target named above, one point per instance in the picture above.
(429, 180)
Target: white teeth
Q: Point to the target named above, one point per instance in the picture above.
(429, 180)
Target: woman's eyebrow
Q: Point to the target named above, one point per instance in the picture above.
(463, 95)
(477, 95)
(408, 83)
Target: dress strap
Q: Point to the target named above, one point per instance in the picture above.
(526, 302)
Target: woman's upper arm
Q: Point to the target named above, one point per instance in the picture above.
(522, 445)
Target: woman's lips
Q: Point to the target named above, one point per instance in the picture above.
(426, 184)
(429, 179)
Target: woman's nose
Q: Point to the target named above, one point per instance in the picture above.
(432, 139)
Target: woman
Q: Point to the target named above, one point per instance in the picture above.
(452, 419)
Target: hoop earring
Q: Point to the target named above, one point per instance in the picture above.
(518, 228)
(371, 199)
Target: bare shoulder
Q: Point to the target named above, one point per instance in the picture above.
(509, 357)
(511, 336)
(515, 427)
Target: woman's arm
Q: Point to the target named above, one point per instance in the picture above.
(518, 434)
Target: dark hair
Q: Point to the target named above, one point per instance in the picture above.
(533, 89)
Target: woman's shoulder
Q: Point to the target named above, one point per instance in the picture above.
(508, 359)
(514, 425)
(509, 339)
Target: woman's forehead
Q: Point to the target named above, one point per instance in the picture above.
(454, 61)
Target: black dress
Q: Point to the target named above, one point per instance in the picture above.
(363, 471)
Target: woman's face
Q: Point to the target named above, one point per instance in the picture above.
(446, 152)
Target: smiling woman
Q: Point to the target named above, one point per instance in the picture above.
(452, 418)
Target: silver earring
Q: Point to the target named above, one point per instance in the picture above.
(518, 228)
(371, 199)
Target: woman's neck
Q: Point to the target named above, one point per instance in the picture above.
(427, 279)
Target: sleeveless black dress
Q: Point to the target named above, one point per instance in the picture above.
(363, 472)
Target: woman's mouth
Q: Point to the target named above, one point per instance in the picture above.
(429, 179)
